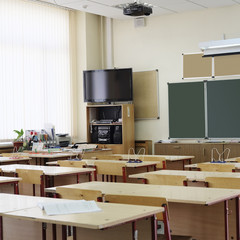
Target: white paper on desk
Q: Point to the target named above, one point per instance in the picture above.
(69, 207)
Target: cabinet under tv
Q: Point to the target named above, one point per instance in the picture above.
(111, 126)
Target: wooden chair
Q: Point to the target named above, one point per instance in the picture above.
(147, 201)
(161, 160)
(174, 180)
(111, 169)
(238, 159)
(77, 194)
(32, 177)
(69, 163)
(216, 167)
(35, 177)
(222, 182)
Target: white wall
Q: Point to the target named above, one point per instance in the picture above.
(88, 56)
(160, 45)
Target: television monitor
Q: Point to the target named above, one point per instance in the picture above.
(109, 85)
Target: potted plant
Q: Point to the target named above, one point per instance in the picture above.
(18, 142)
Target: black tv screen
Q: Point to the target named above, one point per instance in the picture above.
(109, 85)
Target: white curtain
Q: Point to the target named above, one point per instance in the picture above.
(35, 82)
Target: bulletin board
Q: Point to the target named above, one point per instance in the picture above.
(196, 66)
(227, 65)
(145, 95)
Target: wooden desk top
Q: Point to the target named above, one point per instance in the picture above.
(191, 175)
(111, 214)
(167, 157)
(193, 195)
(49, 155)
(4, 179)
(91, 163)
(13, 159)
(48, 170)
(13, 202)
(195, 165)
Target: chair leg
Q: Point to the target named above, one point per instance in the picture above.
(124, 174)
(34, 194)
(1, 228)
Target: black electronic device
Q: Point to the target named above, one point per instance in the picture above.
(105, 134)
(109, 85)
(137, 9)
(94, 134)
(117, 135)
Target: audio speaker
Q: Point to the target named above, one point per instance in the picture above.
(94, 135)
(117, 135)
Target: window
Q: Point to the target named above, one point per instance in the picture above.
(35, 79)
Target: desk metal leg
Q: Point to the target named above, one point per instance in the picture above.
(54, 232)
(237, 219)
(134, 230)
(226, 219)
(154, 227)
(64, 232)
(44, 231)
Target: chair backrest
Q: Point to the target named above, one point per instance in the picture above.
(238, 159)
(223, 182)
(107, 157)
(138, 200)
(174, 180)
(69, 163)
(30, 176)
(216, 167)
(77, 194)
(110, 168)
(159, 159)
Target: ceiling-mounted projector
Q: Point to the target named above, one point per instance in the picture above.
(137, 9)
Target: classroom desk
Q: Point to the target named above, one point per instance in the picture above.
(172, 162)
(192, 176)
(194, 211)
(53, 175)
(195, 165)
(9, 181)
(132, 167)
(117, 220)
(41, 158)
(14, 159)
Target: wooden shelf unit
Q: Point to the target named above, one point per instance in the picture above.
(201, 151)
(123, 118)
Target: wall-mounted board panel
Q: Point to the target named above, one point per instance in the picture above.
(223, 107)
(145, 95)
(186, 110)
(227, 65)
(196, 66)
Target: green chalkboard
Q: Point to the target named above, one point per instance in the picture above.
(223, 101)
(186, 110)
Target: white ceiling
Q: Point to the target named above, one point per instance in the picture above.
(107, 7)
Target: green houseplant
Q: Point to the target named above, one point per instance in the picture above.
(18, 142)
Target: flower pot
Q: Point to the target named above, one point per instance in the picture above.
(17, 145)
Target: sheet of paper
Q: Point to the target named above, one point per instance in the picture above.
(69, 207)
